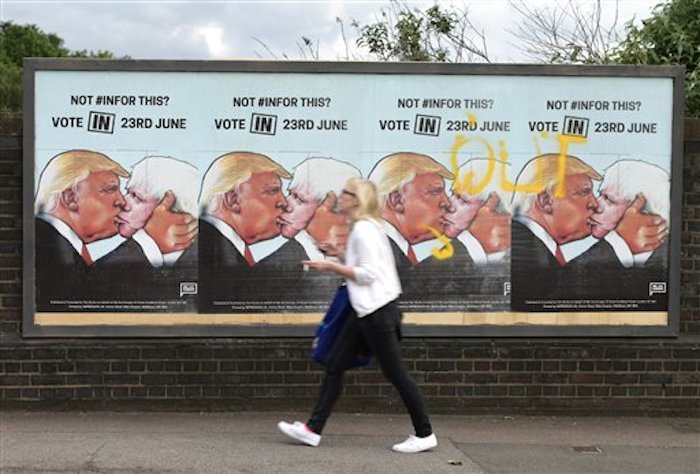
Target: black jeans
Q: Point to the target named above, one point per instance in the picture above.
(380, 333)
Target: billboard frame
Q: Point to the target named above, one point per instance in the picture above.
(33, 65)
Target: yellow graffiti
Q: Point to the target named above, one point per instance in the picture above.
(464, 184)
(444, 252)
(564, 140)
(507, 185)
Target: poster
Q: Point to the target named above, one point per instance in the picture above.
(169, 196)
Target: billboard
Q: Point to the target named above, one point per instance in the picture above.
(180, 198)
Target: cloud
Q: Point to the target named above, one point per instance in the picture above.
(213, 36)
(222, 30)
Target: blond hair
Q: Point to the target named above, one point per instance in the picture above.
(367, 199)
(66, 170)
(231, 170)
(542, 173)
(393, 171)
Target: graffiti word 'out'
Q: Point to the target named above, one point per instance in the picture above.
(469, 184)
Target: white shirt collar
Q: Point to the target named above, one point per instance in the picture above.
(573, 249)
(258, 250)
(641, 258)
(227, 231)
(422, 250)
(396, 236)
(152, 252)
(474, 248)
(425, 249)
(262, 249)
(569, 250)
(477, 252)
(539, 232)
(65, 230)
(623, 251)
(309, 245)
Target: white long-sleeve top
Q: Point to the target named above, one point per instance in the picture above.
(376, 280)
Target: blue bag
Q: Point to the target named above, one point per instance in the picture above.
(327, 332)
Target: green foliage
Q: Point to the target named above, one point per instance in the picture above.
(10, 87)
(27, 41)
(17, 42)
(670, 36)
(403, 40)
(436, 34)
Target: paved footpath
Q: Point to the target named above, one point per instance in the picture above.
(248, 442)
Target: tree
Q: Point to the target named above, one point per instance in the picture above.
(20, 41)
(567, 33)
(670, 36)
(436, 34)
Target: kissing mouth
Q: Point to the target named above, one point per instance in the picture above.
(446, 223)
(593, 223)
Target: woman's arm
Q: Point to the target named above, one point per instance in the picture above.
(333, 267)
(365, 247)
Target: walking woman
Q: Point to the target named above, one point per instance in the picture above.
(373, 287)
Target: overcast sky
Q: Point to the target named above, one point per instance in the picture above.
(220, 29)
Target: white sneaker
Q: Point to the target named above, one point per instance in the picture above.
(300, 432)
(415, 444)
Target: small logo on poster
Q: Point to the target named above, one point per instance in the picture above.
(575, 126)
(427, 125)
(101, 122)
(506, 288)
(188, 288)
(657, 287)
(263, 124)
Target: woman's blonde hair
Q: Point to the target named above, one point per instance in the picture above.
(367, 198)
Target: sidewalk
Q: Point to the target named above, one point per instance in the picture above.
(111, 442)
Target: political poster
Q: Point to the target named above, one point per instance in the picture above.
(182, 198)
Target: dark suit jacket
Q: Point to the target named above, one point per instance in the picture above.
(453, 284)
(125, 274)
(601, 276)
(287, 282)
(60, 270)
(535, 273)
(223, 272)
(594, 281)
(229, 285)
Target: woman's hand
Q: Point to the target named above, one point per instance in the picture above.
(320, 265)
(328, 266)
